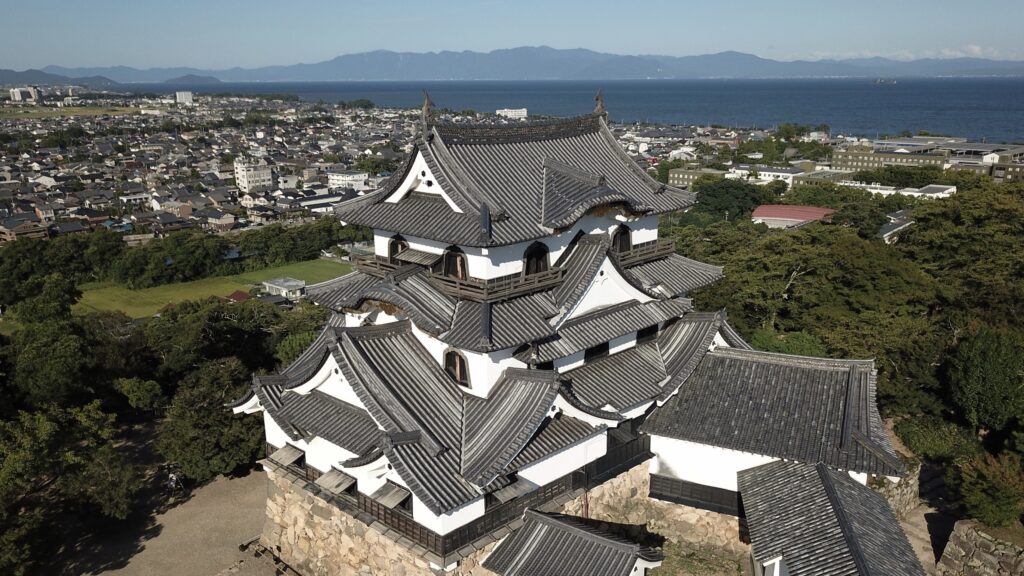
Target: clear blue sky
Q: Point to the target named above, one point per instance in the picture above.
(249, 33)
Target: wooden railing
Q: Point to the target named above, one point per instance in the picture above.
(477, 290)
(501, 288)
(646, 252)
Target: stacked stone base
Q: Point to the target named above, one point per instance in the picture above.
(624, 500)
(972, 552)
(316, 538)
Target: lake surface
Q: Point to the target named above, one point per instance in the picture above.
(977, 108)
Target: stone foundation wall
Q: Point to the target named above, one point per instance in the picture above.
(316, 538)
(903, 496)
(624, 500)
(972, 552)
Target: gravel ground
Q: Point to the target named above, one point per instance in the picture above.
(201, 536)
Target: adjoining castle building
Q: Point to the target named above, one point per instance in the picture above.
(520, 339)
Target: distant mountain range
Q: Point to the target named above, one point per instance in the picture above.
(38, 77)
(544, 63)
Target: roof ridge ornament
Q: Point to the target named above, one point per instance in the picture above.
(599, 98)
(428, 105)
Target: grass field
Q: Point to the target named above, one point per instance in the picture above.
(31, 112)
(149, 301)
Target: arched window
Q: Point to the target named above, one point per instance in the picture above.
(395, 246)
(455, 366)
(621, 240)
(535, 259)
(454, 263)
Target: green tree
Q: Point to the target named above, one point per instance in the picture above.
(51, 457)
(145, 395)
(50, 362)
(993, 488)
(199, 434)
(730, 199)
(987, 378)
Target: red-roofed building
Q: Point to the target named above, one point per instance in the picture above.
(787, 216)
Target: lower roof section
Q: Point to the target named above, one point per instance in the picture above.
(823, 522)
(792, 407)
(560, 545)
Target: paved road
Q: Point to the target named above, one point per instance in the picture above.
(200, 537)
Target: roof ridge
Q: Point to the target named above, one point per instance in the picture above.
(572, 524)
(806, 361)
(480, 133)
(845, 526)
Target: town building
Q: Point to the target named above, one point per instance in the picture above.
(513, 113)
(855, 159)
(518, 343)
(788, 215)
(26, 94)
(184, 98)
(354, 179)
(253, 176)
(289, 288)
(685, 177)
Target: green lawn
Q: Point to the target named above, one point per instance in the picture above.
(146, 302)
(33, 112)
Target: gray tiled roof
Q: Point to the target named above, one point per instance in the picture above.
(505, 324)
(559, 545)
(581, 262)
(495, 429)
(684, 344)
(622, 380)
(605, 324)
(823, 522)
(792, 407)
(341, 292)
(554, 435)
(514, 183)
(333, 420)
(448, 446)
(678, 274)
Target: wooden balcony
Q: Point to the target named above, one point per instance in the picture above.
(497, 289)
(474, 289)
(646, 252)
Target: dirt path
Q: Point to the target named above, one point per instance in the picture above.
(201, 536)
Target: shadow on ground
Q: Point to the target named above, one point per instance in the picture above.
(91, 543)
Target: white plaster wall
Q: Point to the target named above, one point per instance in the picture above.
(561, 463)
(485, 368)
(570, 410)
(274, 434)
(445, 523)
(643, 229)
(328, 369)
(700, 463)
(340, 388)
(417, 181)
(624, 342)
(608, 288)
(566, 363)
(323, 455)
(498, 261)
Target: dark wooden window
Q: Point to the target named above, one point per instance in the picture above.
(549, 365)
(455, 365)
(453, 264)
(595, 352)
(395, 247)
(622, 240)
(535, 259)
(647, 334)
